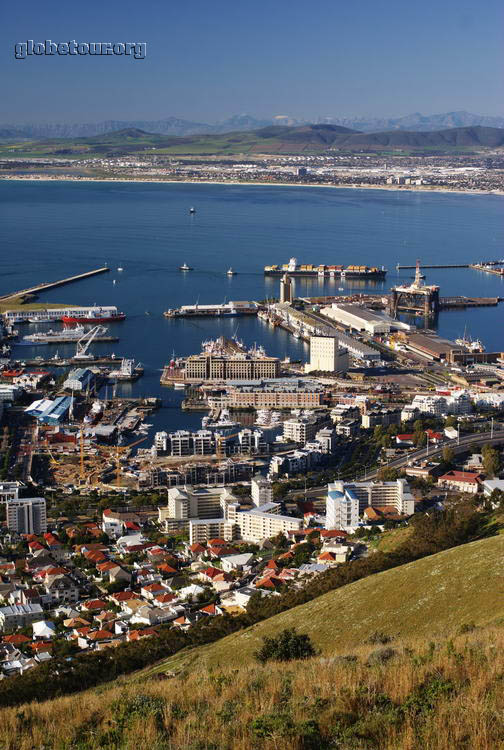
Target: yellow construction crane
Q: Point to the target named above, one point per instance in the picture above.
(120, 448)
(220, 444)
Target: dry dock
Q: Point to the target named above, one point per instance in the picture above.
(53, 284)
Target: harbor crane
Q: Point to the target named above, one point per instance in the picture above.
(85, 340)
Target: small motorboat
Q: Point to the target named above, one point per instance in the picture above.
(230, 272)
(192, 210)
(120, 268)
(185, 267)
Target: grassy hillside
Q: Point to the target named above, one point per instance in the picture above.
(437, 684)
(273, 139)
(436, 694)
(432, 597)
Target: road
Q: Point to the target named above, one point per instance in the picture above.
(482, 438)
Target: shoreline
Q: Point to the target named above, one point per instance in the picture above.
(393, 188)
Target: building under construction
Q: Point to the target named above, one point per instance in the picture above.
(419, 298)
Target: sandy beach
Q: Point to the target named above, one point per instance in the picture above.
(394, 188)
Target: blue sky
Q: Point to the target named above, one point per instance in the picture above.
(209, 60)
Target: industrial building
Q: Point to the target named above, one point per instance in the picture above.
(51, 412)
(26, 515)
(327, 355)
(433, 347)
(357, 318)
(80, 379)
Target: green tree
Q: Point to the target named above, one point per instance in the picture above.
(491, 461)
(448, 454)
(288, 645)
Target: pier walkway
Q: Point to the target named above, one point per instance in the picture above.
(53, 284)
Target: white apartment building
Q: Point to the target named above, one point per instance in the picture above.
(349, 500)
(342, 507)
(303, 429)
(26, 515)
(326, 355)
(9, 491)
(203, 529)
(262, 522)
(187, 503)
(261, 490)
(458, 403)
(161, 442)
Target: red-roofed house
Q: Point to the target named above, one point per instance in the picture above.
(462, 481)
(405, 439)
(434, 437)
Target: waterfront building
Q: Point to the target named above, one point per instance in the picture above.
(227, 359)
(26, 515)
(274, 394)
(327, 355)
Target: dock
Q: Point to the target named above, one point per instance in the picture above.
(65, 340)
(487, 269)
(479, 266)
(65, 362)
(53, 284)
(450, 302)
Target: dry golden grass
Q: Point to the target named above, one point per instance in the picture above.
(437, 696)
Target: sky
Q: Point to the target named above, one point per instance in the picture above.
(206, 61)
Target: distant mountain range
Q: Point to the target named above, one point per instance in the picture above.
(179, 127)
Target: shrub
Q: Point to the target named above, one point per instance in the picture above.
(288, 645)
(379, 637)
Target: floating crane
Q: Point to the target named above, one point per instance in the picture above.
(85, 340)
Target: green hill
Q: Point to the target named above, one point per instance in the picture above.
(269, 140)
(437, 685)
(430, 598)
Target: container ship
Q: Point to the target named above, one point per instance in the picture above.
(326, 271)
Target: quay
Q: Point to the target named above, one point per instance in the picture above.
(65, 340)
(53, 284)
(65, 362)
(399, 267)
(478, 266)
(485, 267)
(226, 309)
(450, 302)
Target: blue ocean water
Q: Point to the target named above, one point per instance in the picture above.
(54, 229)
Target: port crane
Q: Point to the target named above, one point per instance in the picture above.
(85, 340)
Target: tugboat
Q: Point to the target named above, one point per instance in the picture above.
(230, 272)
(185, 267)
(192, 210)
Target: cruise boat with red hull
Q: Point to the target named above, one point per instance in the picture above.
(94, 316)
